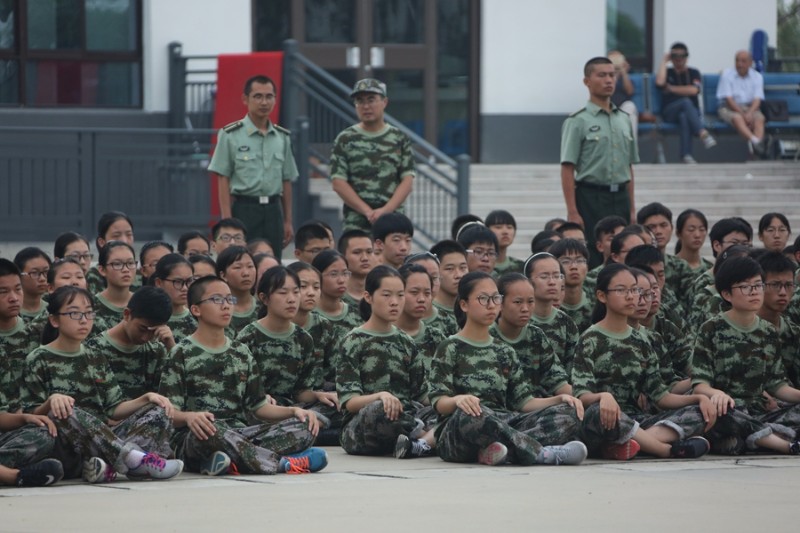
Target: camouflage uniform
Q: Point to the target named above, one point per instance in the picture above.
(706, 303)
(625, 365)
(492, 372)
(562, 333)
(678, 345)
(511, 264)
(678, 275)
(540, 365)
(240, 319)
(325, 337)
(702, 280)
(367, 363)
(95, 282)
(672, 309)
(347, 319)
(25, 445)
(427, 340)
(590, 283)
(107, 315)
(350, 301)
(656, 342)
(227, 383)
(793, 311)
(28, 316)
(373, 164)
(182, 325)
(581, 314)
(789, 336)
(137, 368)
(15, 345)
(443, 319)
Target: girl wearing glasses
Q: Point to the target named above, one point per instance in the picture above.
(33, 265)
(774, 231)
(617, 376)
(149, 256)
(112, 226)
(174, 274)
(545, 272)
(76, 387)
(334, 273)
(71, 245)
(486, 405)
(736, 359)
(117, 265)
(235, 266)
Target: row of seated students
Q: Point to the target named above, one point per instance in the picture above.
(239, 365)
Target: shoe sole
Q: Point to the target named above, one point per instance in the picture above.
(493, 455)
(401, 447)
(690, 452)
(622, 452)
(94, 471)
(219, 463)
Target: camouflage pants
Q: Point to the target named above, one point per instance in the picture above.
(254, 449)
(739, 424)
(148, 429)
(686, 422)
(26, 445)
(524, 434)
(370, 432)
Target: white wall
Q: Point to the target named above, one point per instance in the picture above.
(533, 52)
(204, 28)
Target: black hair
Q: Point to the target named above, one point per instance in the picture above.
(309, 231)
(652, 209)
(737, 250)
(766, 220)
(500, 217)
(228, 223)
(447, 247)
(465, 287)
(776, 263)
(589, 66)
(31, 252)
(184, 239)
(252, 244)
(344, 240)
(797, 243)
(553, 224)
(607, 225)
(734, 270)
(619, 241)
(566, 246)
(724, 227)
(167, 264)
(300, 266)
(326, 258)
(323, 224)
(460, 221)
(229, 256)
(677, 45)
(508, 279)
(644, 254)
(566, 226)
(531, 261)
(105, 251)
(57, 265)
(478, 233)
(542, 236)
(197, 289)
(152, 304)
(272, 280)
(105, 222)
(390, 223)
(603, 281)
(420, 257)
(152, 245)
(59, 298)
(684, 217)
(373, 283)
(8, 268)
(412, 268)
(64, 240)
(203, 259)
(757, 253)
(258, 258)
(647, 269)
(258, 78)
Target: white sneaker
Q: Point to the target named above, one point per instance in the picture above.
(571, 453)
(709, 141)
(689, 160)
(154, 467)
(95, 470)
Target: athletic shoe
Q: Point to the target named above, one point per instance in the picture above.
(40, 474)
(621, 452)
(494, 454)
(709, 141)
(406, 447)
(571, 453)
(732, 445)
(95, 470)
(310, 460)
(153, 466)
(219, 463)
(794, 447)
(419, 429)
(690, 448)
(689, 160)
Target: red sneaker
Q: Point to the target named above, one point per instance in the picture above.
(621, 452)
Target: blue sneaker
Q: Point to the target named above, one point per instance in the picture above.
(310, 460)
(216, 465)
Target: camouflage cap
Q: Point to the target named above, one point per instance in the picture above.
(369, 85)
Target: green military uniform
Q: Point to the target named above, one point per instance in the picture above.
(540, 365)
(346, 320)
(25, 445)
(590, 283)
(137, 368)
(492, 372)
(442, 319)
(257, 164)
(602, 147)
(240, 319)
(15, 345)
(789, 335)
(562, 333)
(793, 311)
(511, 264)
(706, 304)
(107, 315)
(700, 282)
(350, 301)
(369, 362)
(29, 316)
(678, 345)
(427, 340)
(182, 325)
(373, 164)
(226, 382)
(678, 275)
(581, 313)
(325, 335)
(95, 282)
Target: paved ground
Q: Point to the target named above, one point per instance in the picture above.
(356, 494)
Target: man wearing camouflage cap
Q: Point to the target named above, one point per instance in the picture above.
(372, 165)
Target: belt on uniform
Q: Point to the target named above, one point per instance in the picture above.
(264, 200)
(616, 187)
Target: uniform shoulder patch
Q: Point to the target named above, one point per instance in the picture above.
(578, 111)
(233, 126)
(281, 129)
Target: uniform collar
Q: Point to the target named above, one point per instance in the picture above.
(594, 109)
(251, 128)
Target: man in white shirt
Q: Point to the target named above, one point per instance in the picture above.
(740, 93)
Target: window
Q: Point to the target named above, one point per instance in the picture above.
(82, 53)
(629, 29)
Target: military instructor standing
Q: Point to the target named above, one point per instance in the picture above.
(598, 150)
(255, 168)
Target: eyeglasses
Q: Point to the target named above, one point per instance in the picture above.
(747, 290)
(178, 283)
(227, 237)
(783, 230)
(483, 254)
(78, 315)
(567, 262)
(80, 257)
(484, 299)
(550, 277)
(220, 300)
(193, 253)
(646, 295)
(776, 286)
(314, 251)
(736, 242)
(336, 274)
(121, 265)
(633, 291)
(36, 273)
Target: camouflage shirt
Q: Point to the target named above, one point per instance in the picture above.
(706, 304)
(240, 319)
(29, 316)
(443, 319)
(182, 325)
(137, 368)
(325, 337)
(742, 362)
(224, 381)
(656, 341)
(85, 375)
(702, 280)
(581, 314)
(562, 333)
(428, 339)
(15, 345)
(346, 320)
(511, 264)
(678, 345)
(679, 275)
(490, 371)
(793, 311)
(368, 362)
(286, 361)
(373, 164)
(623, 364)
(540, 365)
(95, 282)
(789, 336)
(108, 315)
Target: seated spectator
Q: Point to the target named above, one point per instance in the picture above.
(740, 93)
(624, 89)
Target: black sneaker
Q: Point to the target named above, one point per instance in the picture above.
(40, 474)
(406, 447)
(690, 448)
(794, 447)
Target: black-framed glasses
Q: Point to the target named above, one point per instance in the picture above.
(737, 242)
(80, 257)
(776, 286)
(220, 300)
(747, 290)
(79, 315)
(179, 283)
(622, 291)
(36, 273)
(487, 254)
(121, 265)
(567, 262)
(314, 251)
(484, 299)
(227, 237)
